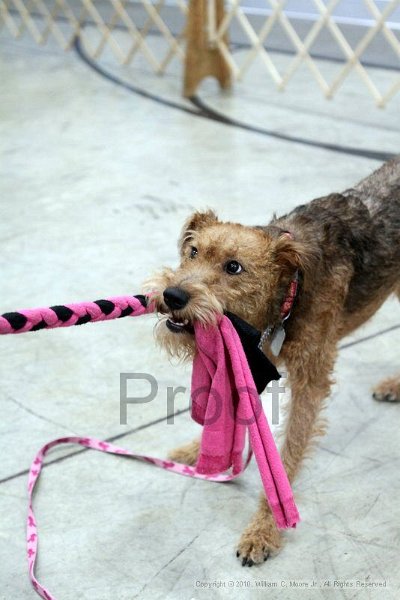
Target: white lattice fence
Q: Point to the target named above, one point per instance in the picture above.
(324, 20)
(122, 26)
(127, 29)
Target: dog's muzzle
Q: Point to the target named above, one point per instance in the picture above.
(176, 298)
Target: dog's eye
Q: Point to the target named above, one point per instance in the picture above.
(193, 252)
(233, 267)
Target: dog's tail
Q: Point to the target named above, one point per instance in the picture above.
(380, 191)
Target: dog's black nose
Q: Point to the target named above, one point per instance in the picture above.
(175, 298)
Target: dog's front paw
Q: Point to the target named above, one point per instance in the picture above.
(258, 541)
(388, 390)
(186, 454)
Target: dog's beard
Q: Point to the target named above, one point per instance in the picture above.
(177, 345)
(174, 331)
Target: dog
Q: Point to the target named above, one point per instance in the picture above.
(343, 250)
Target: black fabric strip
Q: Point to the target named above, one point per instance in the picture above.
(262, 369)
(16, 319)
(142, 300)
(41, 325)
(105, 306)
(83, 320)
(63, 312)
(206, 112)
(125, 312)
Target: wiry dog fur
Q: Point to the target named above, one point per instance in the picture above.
(347, 250)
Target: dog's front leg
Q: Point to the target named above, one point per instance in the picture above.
(310, 384)
(186, 454)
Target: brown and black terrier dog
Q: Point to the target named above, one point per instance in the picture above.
(346, 250)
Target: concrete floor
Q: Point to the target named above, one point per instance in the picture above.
(95, 183)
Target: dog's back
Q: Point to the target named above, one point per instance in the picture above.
(359, 228)
(380, 268)
(380, 191)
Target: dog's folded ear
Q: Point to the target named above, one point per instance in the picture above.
(196, 222)
(291, 254)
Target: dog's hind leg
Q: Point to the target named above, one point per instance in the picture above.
(310, 378)
(388, 390)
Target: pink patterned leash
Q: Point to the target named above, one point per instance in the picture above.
(67, 315)
(94, 444)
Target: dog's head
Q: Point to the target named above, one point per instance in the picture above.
(224, 267)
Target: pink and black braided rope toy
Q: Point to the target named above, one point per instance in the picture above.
(67, 315)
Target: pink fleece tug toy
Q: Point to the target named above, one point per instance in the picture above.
(229, 372)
